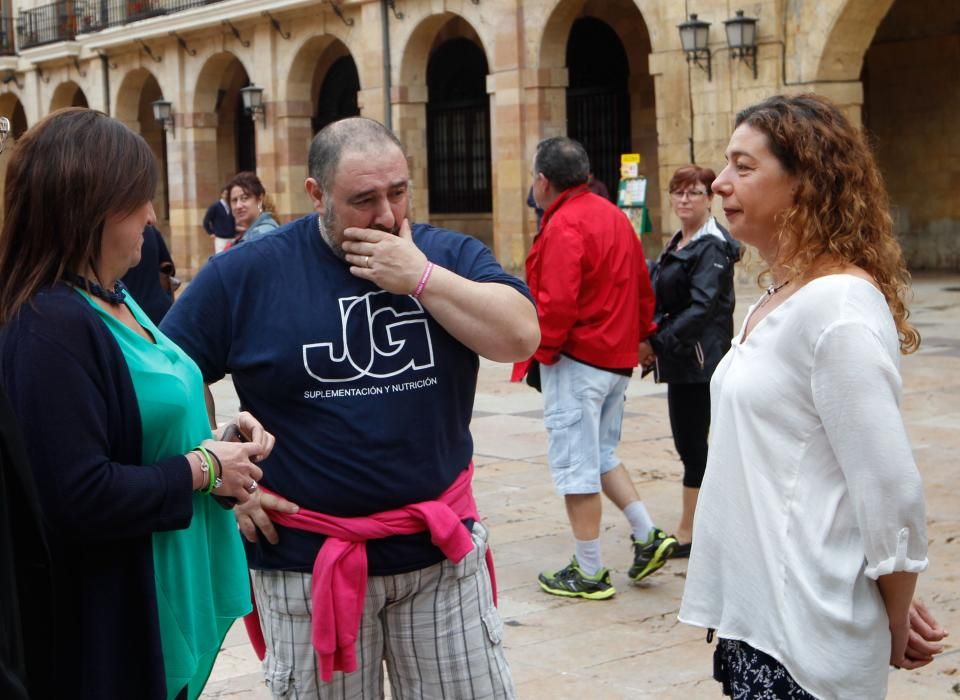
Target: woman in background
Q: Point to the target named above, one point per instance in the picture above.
(693, 283)
(247, 196)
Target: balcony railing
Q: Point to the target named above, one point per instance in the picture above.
(8, 44)
(46, 24)
(95, 15)
(62, 21)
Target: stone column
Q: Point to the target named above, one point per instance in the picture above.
(545, 115)
(194, 185)
(409, 105)
(511, 168)
(292, 133)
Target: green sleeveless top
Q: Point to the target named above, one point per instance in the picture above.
(201, 571)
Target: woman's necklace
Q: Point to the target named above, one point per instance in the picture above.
(114, 297)
(771, 290)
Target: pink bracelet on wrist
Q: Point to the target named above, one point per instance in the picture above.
(423, 280)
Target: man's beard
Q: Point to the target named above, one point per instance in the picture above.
(329, 223)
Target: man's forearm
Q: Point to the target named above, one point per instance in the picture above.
(494, 320)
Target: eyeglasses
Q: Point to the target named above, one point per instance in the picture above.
(689, 194)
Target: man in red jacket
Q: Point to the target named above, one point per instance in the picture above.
(587, 272)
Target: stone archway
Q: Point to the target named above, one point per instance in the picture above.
(134, 107)
(411, 105)
(68, 94)
(336, 86)
(621, 21)
(910, 107)
(217, 94)
(323, 63)
(840, 35)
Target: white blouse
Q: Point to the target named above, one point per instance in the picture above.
(811, 491)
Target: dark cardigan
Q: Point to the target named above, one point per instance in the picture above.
(72, 393)
(24, 561)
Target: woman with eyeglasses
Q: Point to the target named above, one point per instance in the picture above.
(147, 570)
(810, 530)
(247, 204)
(693, 283)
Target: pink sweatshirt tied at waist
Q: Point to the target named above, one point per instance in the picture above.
(339, 583)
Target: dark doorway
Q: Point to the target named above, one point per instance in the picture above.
(18, 122)
(338, 94)
(598, 104)
(79, 99)
(246, 138)
(458, 129)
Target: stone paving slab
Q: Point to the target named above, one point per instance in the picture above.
(632, 645)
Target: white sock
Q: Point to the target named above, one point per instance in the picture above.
(640, 520)
(588, 556)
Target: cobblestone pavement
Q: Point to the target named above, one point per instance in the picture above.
(632, 645)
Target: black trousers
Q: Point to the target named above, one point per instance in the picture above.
(689, 406)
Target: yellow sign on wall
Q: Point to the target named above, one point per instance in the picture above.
(629, 165)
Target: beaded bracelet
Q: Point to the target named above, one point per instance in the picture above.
(423, 280)
(210, 482)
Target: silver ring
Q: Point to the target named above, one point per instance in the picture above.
(251, 487)
(366, 261)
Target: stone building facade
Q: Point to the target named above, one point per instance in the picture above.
(471, 86)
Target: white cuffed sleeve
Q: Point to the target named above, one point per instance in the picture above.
(856, 392)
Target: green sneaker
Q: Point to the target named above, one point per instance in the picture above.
(651, 555)
(571, 582)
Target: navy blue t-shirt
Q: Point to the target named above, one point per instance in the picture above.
(369, 398)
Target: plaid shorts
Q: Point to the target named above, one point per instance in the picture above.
(435, 630)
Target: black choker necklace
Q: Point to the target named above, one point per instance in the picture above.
(114, 297)
(774, 288)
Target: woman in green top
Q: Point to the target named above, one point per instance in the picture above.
(148, 571)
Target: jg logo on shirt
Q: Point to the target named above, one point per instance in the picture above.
(382, 336)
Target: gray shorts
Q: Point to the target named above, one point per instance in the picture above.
(436, 630)
(583, 414)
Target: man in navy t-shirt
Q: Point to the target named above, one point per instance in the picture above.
(355, 338)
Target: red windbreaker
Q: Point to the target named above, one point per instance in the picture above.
(588, 274)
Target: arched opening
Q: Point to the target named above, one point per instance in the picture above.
(336, 97)
(911, 102)
(598, 99)
(458, 129)
(68, 94)
(218, 91)
(245, 130)
(609, 100)
(135, 98)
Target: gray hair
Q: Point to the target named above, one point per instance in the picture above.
(563, 161)
(353, 133)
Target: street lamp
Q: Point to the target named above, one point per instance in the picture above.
(742, 39)
(253, 102)
(163, 114)
(694, 37)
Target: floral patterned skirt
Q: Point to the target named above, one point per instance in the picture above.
(749, 674)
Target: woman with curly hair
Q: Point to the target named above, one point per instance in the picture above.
(810, 528)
